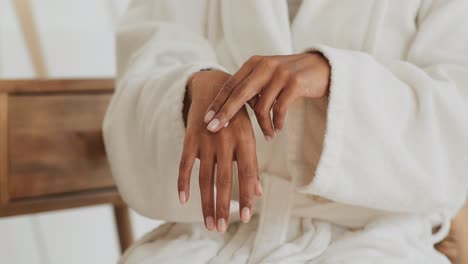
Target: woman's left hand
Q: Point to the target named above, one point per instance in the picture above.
(270, 83)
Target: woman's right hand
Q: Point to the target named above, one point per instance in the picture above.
(234, 143)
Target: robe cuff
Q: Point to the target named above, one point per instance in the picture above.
(328, 169)
(158, 132)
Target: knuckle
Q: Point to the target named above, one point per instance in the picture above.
(222, 209)
(223, 181)
(181, 184)
(248, 173)
(222, 115)
(270, 62)
(205, 166)
(241, 93)
(224, 139)
(261, 109)
(258, 109)
(244, 135)
(254, 59)
(228, 86)
(261, 113)
(204, 181)
(295, 80)
(207, 207)
(246, 199)
(184, 163)
(224, 145)
(283, 72)
(189, 139)
(278, 109)
(251, 62)
(215, 104)
(237, 92)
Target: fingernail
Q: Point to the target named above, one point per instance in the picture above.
(210, 223)
(182, 198)
(245, 214)
(209, 116)
(277, 131)
(213, 125)
(268, 138)
(260, 189)
(227, 124)
(221, 225)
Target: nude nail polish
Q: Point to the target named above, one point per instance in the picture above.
(210, 223)
(213, 125)
(222, 225)
(260, 189)
(245, 214)
(268, 138)
(182, 198)
(209, 116)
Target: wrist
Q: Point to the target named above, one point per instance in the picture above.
(322, 67)
(189, 93)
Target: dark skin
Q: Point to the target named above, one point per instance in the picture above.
(455, 245)
(236, 143)
(284, 78)
(270, 84)
(267, 84)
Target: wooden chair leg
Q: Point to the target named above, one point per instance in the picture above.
(124, 226)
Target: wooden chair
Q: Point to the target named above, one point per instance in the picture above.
(52, 154)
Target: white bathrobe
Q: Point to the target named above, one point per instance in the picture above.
(359, 177)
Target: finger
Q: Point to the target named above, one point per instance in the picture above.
(258, 190)
(449, 249)
(247, 89)
(206, 182)
(187, 160)
(265, 103)
(229, 86)
(223, 190)
(248, 175)
(280, 108)
(252, 102)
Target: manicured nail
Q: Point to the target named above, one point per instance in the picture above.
(222, 225)
(277, 131)
(268, 138)
(213, 125)
(182, 198)
(227, 124)
(210, 223)
(245, 214)
(259, 189)
(209, 116)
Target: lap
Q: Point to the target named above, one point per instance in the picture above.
(400, 240)
(192, 243)
(381, 242)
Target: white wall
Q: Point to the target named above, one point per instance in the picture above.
(77, 37)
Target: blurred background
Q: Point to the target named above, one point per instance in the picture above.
(77, 41)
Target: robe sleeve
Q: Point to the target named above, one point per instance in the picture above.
(158, 49)
(397, 131)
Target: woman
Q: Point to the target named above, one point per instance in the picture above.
(370, 157)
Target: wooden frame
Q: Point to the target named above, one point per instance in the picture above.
(3, 148)
(82, 90)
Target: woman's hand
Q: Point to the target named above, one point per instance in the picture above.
(270, 83)
(235, 143)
